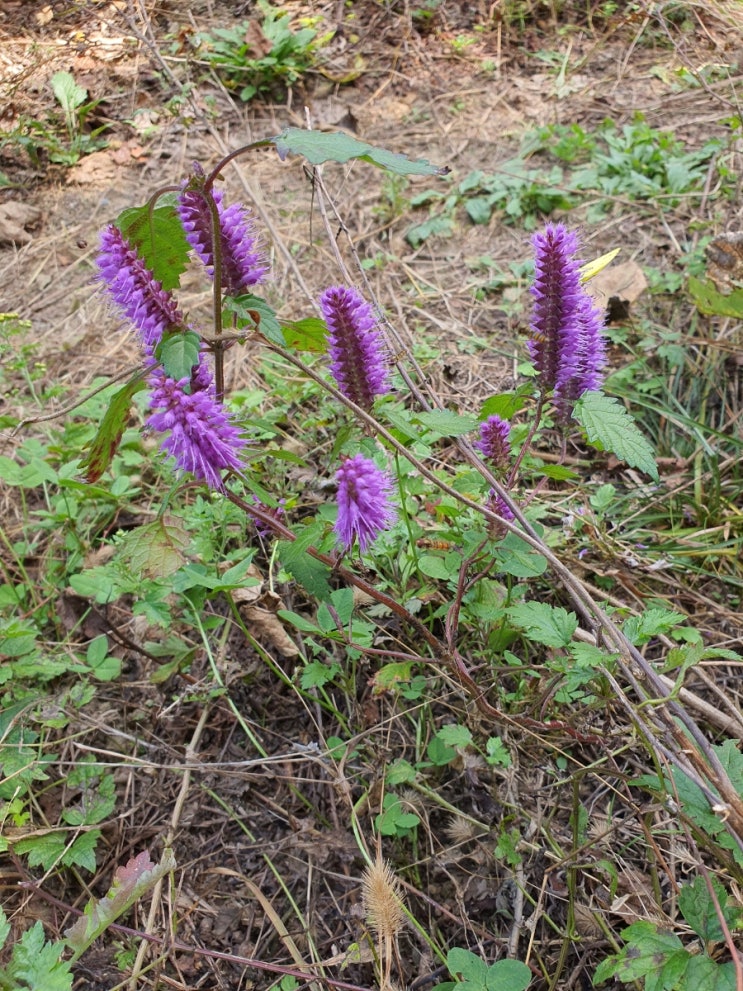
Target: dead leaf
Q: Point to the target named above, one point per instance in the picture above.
(15, 217)
(44, 16)
(268, 630)
(617, 287)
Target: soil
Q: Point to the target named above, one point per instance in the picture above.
(269, 869)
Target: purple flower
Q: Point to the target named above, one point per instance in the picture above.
(243, 264)
(364, 507)
(567, 347)
(357, 357)
(201, 435)
(493, 442)
(500, 508)
(135, 290)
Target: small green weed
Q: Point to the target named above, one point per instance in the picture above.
(471, 973)
(635, 162)
(266, 59)
(62, 146)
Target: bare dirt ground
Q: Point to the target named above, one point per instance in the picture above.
(262, 843)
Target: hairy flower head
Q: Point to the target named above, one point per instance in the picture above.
(358, 360)
(202, 438)
(493, 442)
(135, 290)
(364, 506)
(243, 264)
(567, 346)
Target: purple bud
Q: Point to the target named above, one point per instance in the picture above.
(493, 442)
(202, 438)
(357, 356)
(134, 289)
(364, 506)
(243, 264)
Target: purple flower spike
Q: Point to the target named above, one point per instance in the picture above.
(135, 290)
(567, 348)
(202, 438)
(557, 296)
(364, 507)
(493, 441)
(357, 357)
(243, 264)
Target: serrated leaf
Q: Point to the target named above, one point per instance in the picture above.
(433, 566)
(178, 353)
(336, 146)
(651, 623)
(699, 910)
(608, 424)
(35, 963)
(454, 735)
(310, 334)
(129, 884)
(103, 447)
(551, 625)
(155, 550)
(159, 239)
(252, 311)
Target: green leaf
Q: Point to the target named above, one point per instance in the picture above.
(698, 908)
(299, 622)
(551, 625)
(558, 472)
(103, 666)
(713, 303)
(155, 550)
(651, 623)
(394, 821)
(504, 404)
(36, 964)
(179, 352)
(443, 423)
(254, 312)
(322, 146)
(312, 575)
(454, 735)
(468, 966)
(67, 91)
(103, 447)
(316, 674)
(310, 334)
(4, 928)
(645, 952)
(609, 427)
(159, 239)
(435, 567)
(508, 975)
(439, 753)
(705, 974)
(515, 557)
